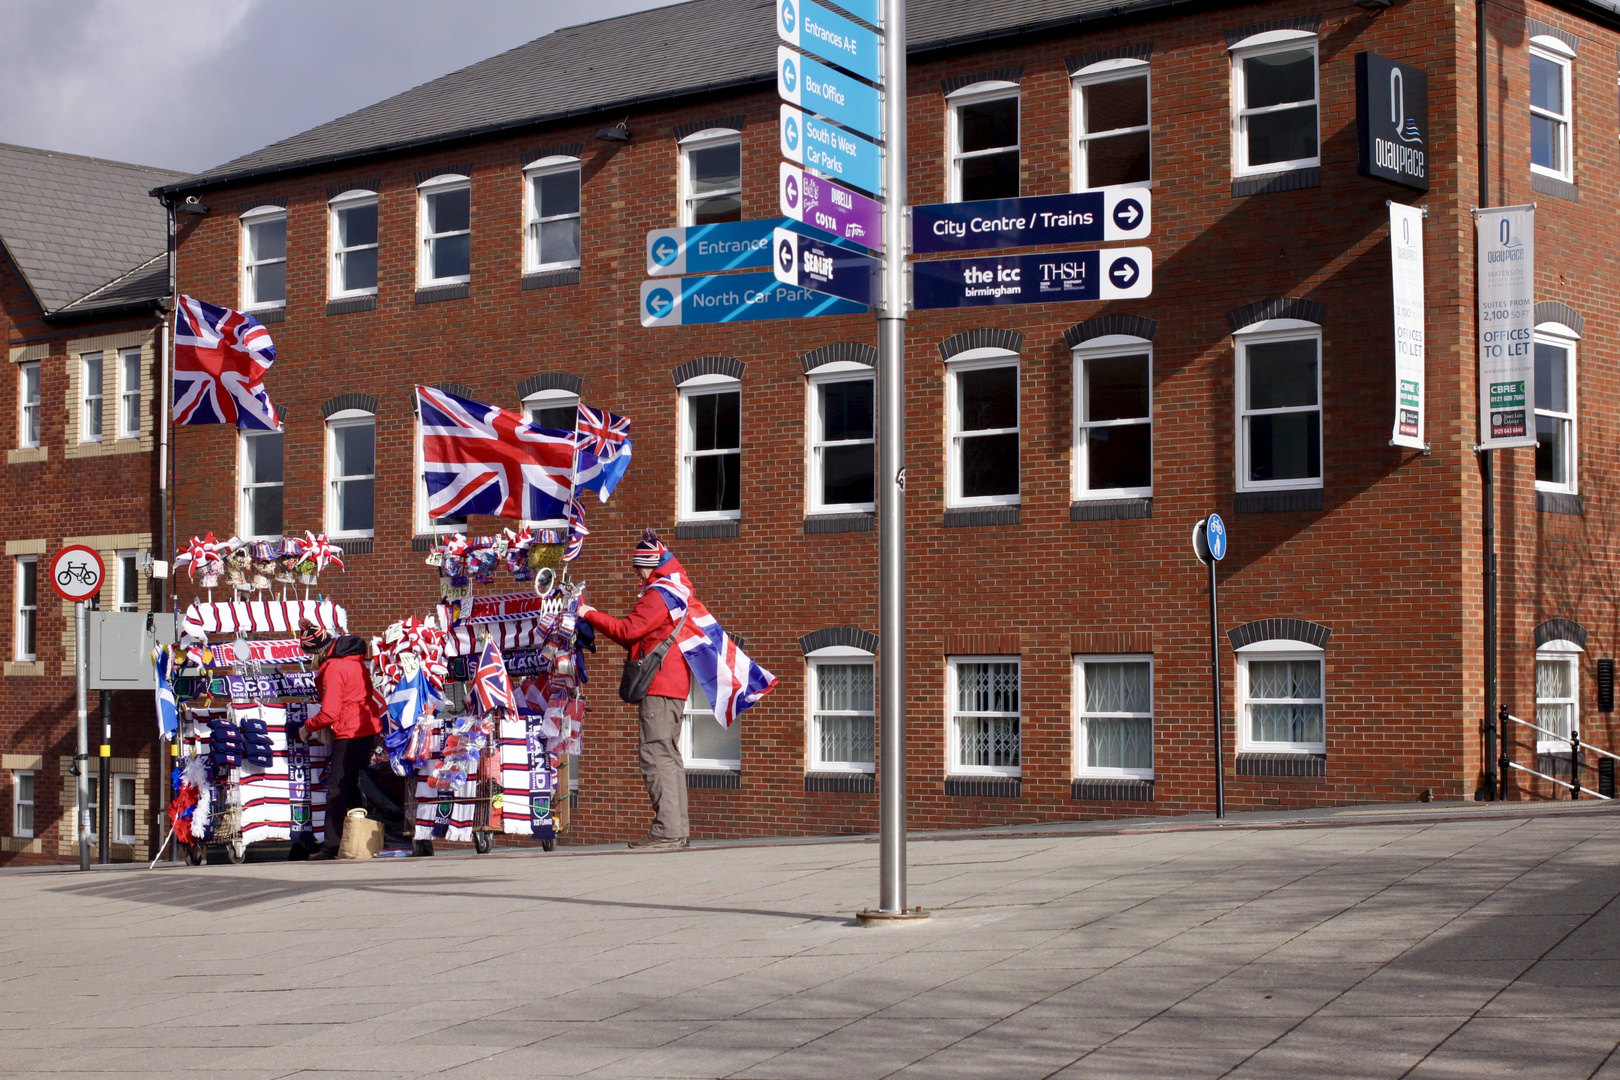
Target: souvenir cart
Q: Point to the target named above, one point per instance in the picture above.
(242, 690)
(486, 697)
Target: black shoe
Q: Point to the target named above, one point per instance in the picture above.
(657, 843)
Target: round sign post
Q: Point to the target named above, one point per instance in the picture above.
(76, 574)
(1209, 544)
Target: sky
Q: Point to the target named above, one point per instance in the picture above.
(190, 84)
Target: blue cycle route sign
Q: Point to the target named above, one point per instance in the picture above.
(1215, 537)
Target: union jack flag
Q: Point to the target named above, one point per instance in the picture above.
(481, 459)
(490, 683)
(577, 532)
(731, 681)
(220, 359)
(604, 451)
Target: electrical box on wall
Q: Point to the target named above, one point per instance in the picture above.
(121, 644)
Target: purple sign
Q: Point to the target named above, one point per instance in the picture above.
(831, 207)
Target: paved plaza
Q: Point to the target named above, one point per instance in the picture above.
(1442, 941)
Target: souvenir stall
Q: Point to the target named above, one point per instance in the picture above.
(235, 691)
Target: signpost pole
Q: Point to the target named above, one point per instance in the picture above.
(1215, 693)
(81, 759)
(891, 463)
(105, 813)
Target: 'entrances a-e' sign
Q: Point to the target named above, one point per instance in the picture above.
(1392, 121)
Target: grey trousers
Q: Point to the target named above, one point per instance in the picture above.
(661, 766)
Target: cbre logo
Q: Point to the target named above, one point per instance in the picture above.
(664, 250)
(660, 302)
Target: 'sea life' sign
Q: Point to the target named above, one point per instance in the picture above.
(1392, 121)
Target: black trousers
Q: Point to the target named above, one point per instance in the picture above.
(349, 758)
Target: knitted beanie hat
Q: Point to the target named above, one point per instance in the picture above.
(650, 552)
(312, 637)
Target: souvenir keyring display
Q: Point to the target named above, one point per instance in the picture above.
(242, 689)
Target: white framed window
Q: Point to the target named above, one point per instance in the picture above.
(557, 410)
(711, 177)
(123, 800)
(1556, 456)
(982, 414)
(129, 394)
(1113, 716)
(91, 398)
(983, 134)
(1279, 413)
(351, 473)
(551, 197)
(353, 239)
(843, 465)
(1558, 694)
(128, 581)
(425, 525)
(22, 803)
(444, 224)
(1281, 699)
(1112, 122)
(1113, 418)
(984, 721)
(1551, 111)
(704, 743)
(711, 449)
(1274, 99)
(27, 594)
(28, 404)
(842, 708)
(260, 467)
(264, 258)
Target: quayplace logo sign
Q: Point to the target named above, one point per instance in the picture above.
(1392, 121)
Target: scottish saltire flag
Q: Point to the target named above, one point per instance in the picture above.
(167, 713)
(491, 684)
(481, 459)
(729, 679)
(604, 451)
(220, 359)
(409, 700)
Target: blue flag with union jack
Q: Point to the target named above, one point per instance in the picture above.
(604, 451)
(482, 459)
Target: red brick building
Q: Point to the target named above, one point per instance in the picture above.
(486, 230)
(84, 277)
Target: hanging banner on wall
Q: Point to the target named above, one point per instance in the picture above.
(1406, 281)
(1506, 285)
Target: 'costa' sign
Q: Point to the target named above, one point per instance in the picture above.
(1392, 121)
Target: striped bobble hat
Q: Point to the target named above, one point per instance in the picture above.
(650, 551)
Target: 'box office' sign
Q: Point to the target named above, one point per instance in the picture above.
(1392, 121)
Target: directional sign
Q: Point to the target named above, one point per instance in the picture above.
(831, 207)
(810, 27)
(841, 98)
(77, 573)
(1215, 537)
(824, 267)
(733, 298)
(1085, 217)
(831, 151)
(1116, 274)
(709, 249)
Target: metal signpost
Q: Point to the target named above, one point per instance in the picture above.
(76, 574)
(833, 270)
(1114, 274)
(1101, 215)
(1209, 544)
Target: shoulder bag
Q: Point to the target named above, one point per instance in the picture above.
(638, 675)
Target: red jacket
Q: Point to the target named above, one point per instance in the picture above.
(648, 623)
(345, 695)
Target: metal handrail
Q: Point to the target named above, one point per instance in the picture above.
(1554, 779)
(1572, 737)
(1573, 741)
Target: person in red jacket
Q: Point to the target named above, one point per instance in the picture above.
(346, 709)
(661, 711)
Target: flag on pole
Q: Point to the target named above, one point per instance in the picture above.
(481, 459)
(604, 451)
(220, 360)
(491, 684)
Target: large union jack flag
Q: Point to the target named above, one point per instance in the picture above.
(604, 450)
(220, 359)
(482, 459)
(728, 677)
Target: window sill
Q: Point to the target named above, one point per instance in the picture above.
(429, 541)
(840, 523)
(268, 315)
(550, 279)
(1111, 509)
(969, 517)
(1268, 183)
(851, 783)
(1110, 789)
(25, 455)
(355, 545)
(723, 529)
(104, 448)
(723, 779)
(1560, 502)
(350, 304)
(1306, 764)
(1554, 186)
(435, 294)
(26, 668)
(1277, 502)
(22, 845)
(985, 787)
